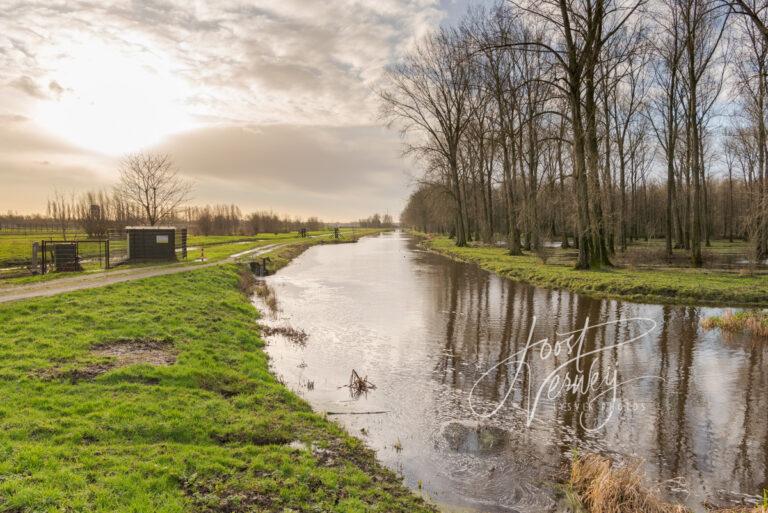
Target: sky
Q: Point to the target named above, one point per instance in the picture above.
(268, 104)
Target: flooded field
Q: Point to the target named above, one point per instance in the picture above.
(485, 387)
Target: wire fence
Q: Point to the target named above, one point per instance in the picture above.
(25, 252)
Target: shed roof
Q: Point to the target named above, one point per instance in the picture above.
(150, 228)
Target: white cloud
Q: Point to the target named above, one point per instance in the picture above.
(186, 75)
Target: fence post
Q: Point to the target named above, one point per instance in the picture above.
(106, 254)
(43, 266)
(35, 251)
(184, 243)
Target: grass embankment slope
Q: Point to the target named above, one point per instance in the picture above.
(209, 433)
(670, 286)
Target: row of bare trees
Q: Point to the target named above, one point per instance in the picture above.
(94, 212)
(98, 213)
(152, 191)
(269, 222)
(377, 221)
(593, 121)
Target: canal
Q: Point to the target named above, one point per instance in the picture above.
(484, 387)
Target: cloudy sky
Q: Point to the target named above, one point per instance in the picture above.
(269, 104)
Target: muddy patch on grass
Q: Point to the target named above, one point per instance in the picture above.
(217, 496)
(255, 437)
(120, 353)
(159, 353)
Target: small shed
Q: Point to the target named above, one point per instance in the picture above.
(151, 242)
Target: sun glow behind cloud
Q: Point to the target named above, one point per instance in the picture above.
(242, 93)
(110, 102)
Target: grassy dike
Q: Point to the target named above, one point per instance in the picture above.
(673, 286)
(212, 432)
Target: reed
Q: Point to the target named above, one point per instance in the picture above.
(597, 485)
(753, 322)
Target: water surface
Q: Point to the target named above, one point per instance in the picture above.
(428, 332)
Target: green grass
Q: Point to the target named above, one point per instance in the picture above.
(669, 286)
(16, 248)
(216, 251)
(208, 433)
(281, 256)
(225, 239)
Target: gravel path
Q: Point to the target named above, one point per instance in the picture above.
(91, 281)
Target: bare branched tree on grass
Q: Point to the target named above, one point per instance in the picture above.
(152, 183)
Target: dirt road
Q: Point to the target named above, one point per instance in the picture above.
(100, 279)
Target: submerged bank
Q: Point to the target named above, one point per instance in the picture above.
(155, 395)
(678, 286)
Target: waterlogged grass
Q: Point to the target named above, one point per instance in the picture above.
(282, 256)
(671, 286)
(295, 242)
(225, 239)
(211, 432)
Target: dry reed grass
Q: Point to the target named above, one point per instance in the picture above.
(246, 281)
(249, 284)
(754, 322)
(600, 486)
(266, 294)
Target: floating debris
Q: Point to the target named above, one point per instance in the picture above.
(358, 385)
(292, 334)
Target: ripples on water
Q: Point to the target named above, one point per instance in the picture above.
(424, 329)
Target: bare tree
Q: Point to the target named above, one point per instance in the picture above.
(61, 210)
(668, 117)
(429, 94)
(499, 76)
(751, 72)
(703, 28)
(92, 212)
(755, 10)
(152, 183)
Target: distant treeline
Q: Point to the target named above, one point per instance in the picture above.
(377, 221)
(98, 213)
(229, 220)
